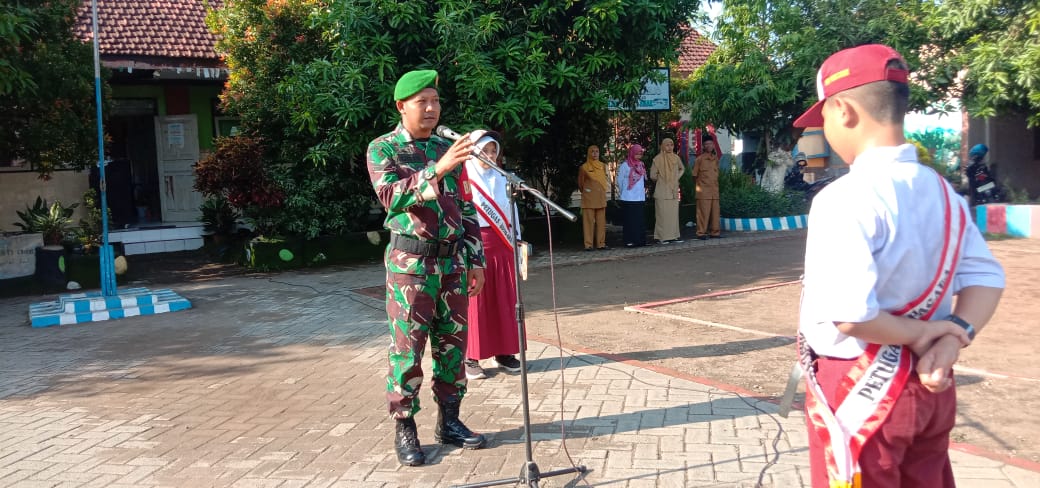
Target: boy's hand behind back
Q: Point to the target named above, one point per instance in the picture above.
(935, 366)
(930, 332)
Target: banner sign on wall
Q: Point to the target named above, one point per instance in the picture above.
(655, 97)
(18, 254)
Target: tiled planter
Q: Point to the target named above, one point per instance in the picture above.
(766, 223)
(1013, 220)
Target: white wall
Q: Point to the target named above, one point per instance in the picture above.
(20, 189)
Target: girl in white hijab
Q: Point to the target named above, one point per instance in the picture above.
(493, 332)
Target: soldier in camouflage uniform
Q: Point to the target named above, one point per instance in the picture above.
(434, 258)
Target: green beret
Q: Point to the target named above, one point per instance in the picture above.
(414, 82)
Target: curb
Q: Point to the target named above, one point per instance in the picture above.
(766, 223)
(1013, 220)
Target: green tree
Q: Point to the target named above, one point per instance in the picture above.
(943, 146)
(47, 111)
(762, 76)
(987, 52)
(317, 76)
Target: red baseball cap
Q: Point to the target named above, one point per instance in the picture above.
(850, 68)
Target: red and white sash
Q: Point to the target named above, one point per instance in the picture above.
(484, 201)
(874, 383)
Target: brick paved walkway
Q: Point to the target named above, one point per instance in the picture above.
(276, 382)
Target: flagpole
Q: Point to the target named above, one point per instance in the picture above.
(108, 275)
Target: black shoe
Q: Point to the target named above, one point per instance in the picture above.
(629, 244)
(509, 363)
(409, 453)
(703, 238)
(717, 237)
(587, 249)
(473, 370)
(451, 430)
(604, 248)
(677, 240)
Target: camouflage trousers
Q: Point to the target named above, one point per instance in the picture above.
(420, 307)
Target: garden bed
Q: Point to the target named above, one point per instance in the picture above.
(275, 254)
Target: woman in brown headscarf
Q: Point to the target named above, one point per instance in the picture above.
(592, 183)
(666, 170)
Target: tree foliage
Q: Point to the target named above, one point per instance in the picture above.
(47, 111)
(317, 76)
(989, 52)
(763, 74)
(943, 146)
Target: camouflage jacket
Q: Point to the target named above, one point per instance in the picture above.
(402, 174)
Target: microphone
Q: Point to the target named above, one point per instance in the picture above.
(447, 133)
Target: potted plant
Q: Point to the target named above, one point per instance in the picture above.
(218, 218)
(53, 222)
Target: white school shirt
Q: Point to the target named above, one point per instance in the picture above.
(874, 243)
(498, 187)
(635, 194)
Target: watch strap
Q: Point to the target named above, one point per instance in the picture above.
(970, 329)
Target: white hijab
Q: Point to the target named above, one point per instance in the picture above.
(495, 183)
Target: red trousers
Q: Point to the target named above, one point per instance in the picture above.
(911, 447)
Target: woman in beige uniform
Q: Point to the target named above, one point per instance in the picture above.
(666, 170)
(592, 183)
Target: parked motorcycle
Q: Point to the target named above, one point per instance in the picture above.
(795, 180)
(983, 184)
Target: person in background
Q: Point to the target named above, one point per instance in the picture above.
(666, 170)
(493, 331)
(435, 257)
(631, 180)
(706, 176)
(981, 178)
(592, 183)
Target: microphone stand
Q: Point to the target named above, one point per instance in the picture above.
(529, 472)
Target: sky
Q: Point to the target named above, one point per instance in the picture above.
(916, 122)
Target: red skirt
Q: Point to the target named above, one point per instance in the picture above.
(492, 314)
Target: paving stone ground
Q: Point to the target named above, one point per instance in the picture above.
(277, 382)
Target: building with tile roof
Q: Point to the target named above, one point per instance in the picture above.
(153, 33)
(163, 116)
(693, 53)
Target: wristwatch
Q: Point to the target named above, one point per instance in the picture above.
(430, 172)
(962, 324)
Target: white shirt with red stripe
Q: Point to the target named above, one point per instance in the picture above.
(498, 189)
(874, 243)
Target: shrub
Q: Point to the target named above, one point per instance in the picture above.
(236, 171)
(90, 227)
(740, 197)
(218, 216)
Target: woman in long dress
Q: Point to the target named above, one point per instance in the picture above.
(631, 179)
(666, 170)
(493, 332)
(592, 183)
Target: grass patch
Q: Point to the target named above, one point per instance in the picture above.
(990, 236)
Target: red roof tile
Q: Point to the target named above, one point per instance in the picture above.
(150, 28)
(693, 52)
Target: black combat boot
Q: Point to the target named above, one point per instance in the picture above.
(451, 430)
(409, 453)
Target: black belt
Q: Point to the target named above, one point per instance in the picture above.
(424, 248)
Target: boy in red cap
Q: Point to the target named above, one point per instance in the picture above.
(889, 246)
